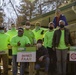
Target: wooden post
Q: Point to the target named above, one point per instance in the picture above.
(31, 68)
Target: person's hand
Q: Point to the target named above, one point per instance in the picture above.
(41, 58)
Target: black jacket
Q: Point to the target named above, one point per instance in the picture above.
(57, 35)
(41, 52)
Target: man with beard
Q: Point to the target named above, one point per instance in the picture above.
(61, 41)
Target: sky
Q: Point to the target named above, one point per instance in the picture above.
(10, 14)
(8, 9)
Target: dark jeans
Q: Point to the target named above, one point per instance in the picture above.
(10, 54)
(15, 66)
(4, 58)
(53, 59)
(45, 65)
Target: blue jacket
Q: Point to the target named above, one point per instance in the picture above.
(62, 17)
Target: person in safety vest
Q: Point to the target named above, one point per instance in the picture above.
(39, 31)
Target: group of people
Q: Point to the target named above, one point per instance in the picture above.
(51, 51)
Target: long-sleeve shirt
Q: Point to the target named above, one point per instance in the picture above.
(30, 35)
(48, 38)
